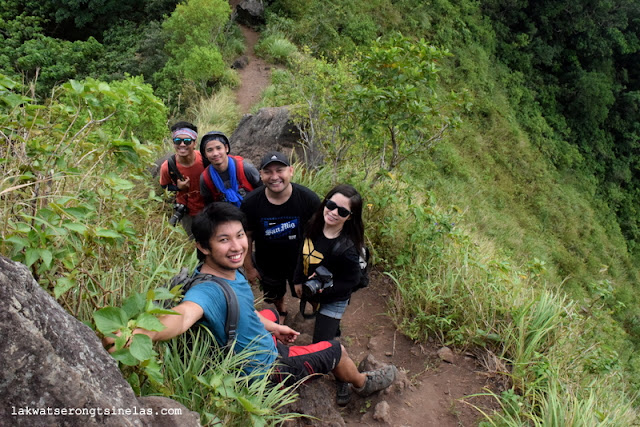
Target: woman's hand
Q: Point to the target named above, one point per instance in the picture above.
(298, 290)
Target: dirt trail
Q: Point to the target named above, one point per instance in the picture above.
(436, 390)
(433, 393)
(254, 77)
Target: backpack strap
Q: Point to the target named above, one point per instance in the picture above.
(341, 246)
(233, 308)
(174, 173)
(243, 182)
(240, 175)
(231, 326)
(209, 183)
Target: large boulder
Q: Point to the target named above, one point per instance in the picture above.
(54, 370)
(250, 13)
(270, 129)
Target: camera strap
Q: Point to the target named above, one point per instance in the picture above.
(303, 306)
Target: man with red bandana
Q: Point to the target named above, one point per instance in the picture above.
(189, 165)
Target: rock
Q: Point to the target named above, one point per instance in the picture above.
(270, 129)
(240, 63)
(446, 354)
(374, 343)
(317, 399)
(369, 363)
(382, 412)
(250, 13)
(54, 363)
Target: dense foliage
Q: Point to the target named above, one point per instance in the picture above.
(580, 64)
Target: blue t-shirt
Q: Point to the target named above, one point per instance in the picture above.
(250, 333)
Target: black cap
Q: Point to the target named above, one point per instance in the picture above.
(274, 156)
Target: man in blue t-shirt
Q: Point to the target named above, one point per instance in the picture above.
(220, 237)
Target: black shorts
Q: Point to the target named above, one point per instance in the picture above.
(275, 288)
(300, 362)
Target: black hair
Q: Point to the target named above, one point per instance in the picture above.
(210, 218)
(353, 228)
(212, 136)
(184, 125)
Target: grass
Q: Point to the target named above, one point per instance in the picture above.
(205, 378)
(276, 48)
(218, 112)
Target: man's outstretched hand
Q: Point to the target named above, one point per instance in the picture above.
(285, 334)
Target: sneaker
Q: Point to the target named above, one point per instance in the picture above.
(343, 393)
(378, 380)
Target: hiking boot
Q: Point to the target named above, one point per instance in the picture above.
(377, 380)
(343, 393)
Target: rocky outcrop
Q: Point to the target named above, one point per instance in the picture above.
(270, 129)
(250, 13)
(54, 370)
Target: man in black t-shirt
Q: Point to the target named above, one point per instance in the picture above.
(276, 215)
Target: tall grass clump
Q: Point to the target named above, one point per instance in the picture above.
(276, 48)
(216, 112)
(210, 380)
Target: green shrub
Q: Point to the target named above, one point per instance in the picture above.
(276, 48)
(210, 381)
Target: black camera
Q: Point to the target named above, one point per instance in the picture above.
(322, 280)
(180, 210)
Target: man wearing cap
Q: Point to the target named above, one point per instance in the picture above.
(276, 216)
(225, 178)
(181, 172)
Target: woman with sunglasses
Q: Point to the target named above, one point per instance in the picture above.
(334, 239)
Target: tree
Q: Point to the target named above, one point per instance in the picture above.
(193, 30)
(395, 100)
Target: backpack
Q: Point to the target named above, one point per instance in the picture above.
(240, 176)
(189, 280)
(174, 173)
(341, 247)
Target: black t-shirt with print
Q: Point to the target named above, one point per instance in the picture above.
(277, 230)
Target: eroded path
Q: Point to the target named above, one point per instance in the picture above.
(254, 77)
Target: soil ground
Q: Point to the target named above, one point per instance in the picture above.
(430, 393)
(437, 393)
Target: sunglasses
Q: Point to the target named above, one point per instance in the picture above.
(343, 212)
(187, 141)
